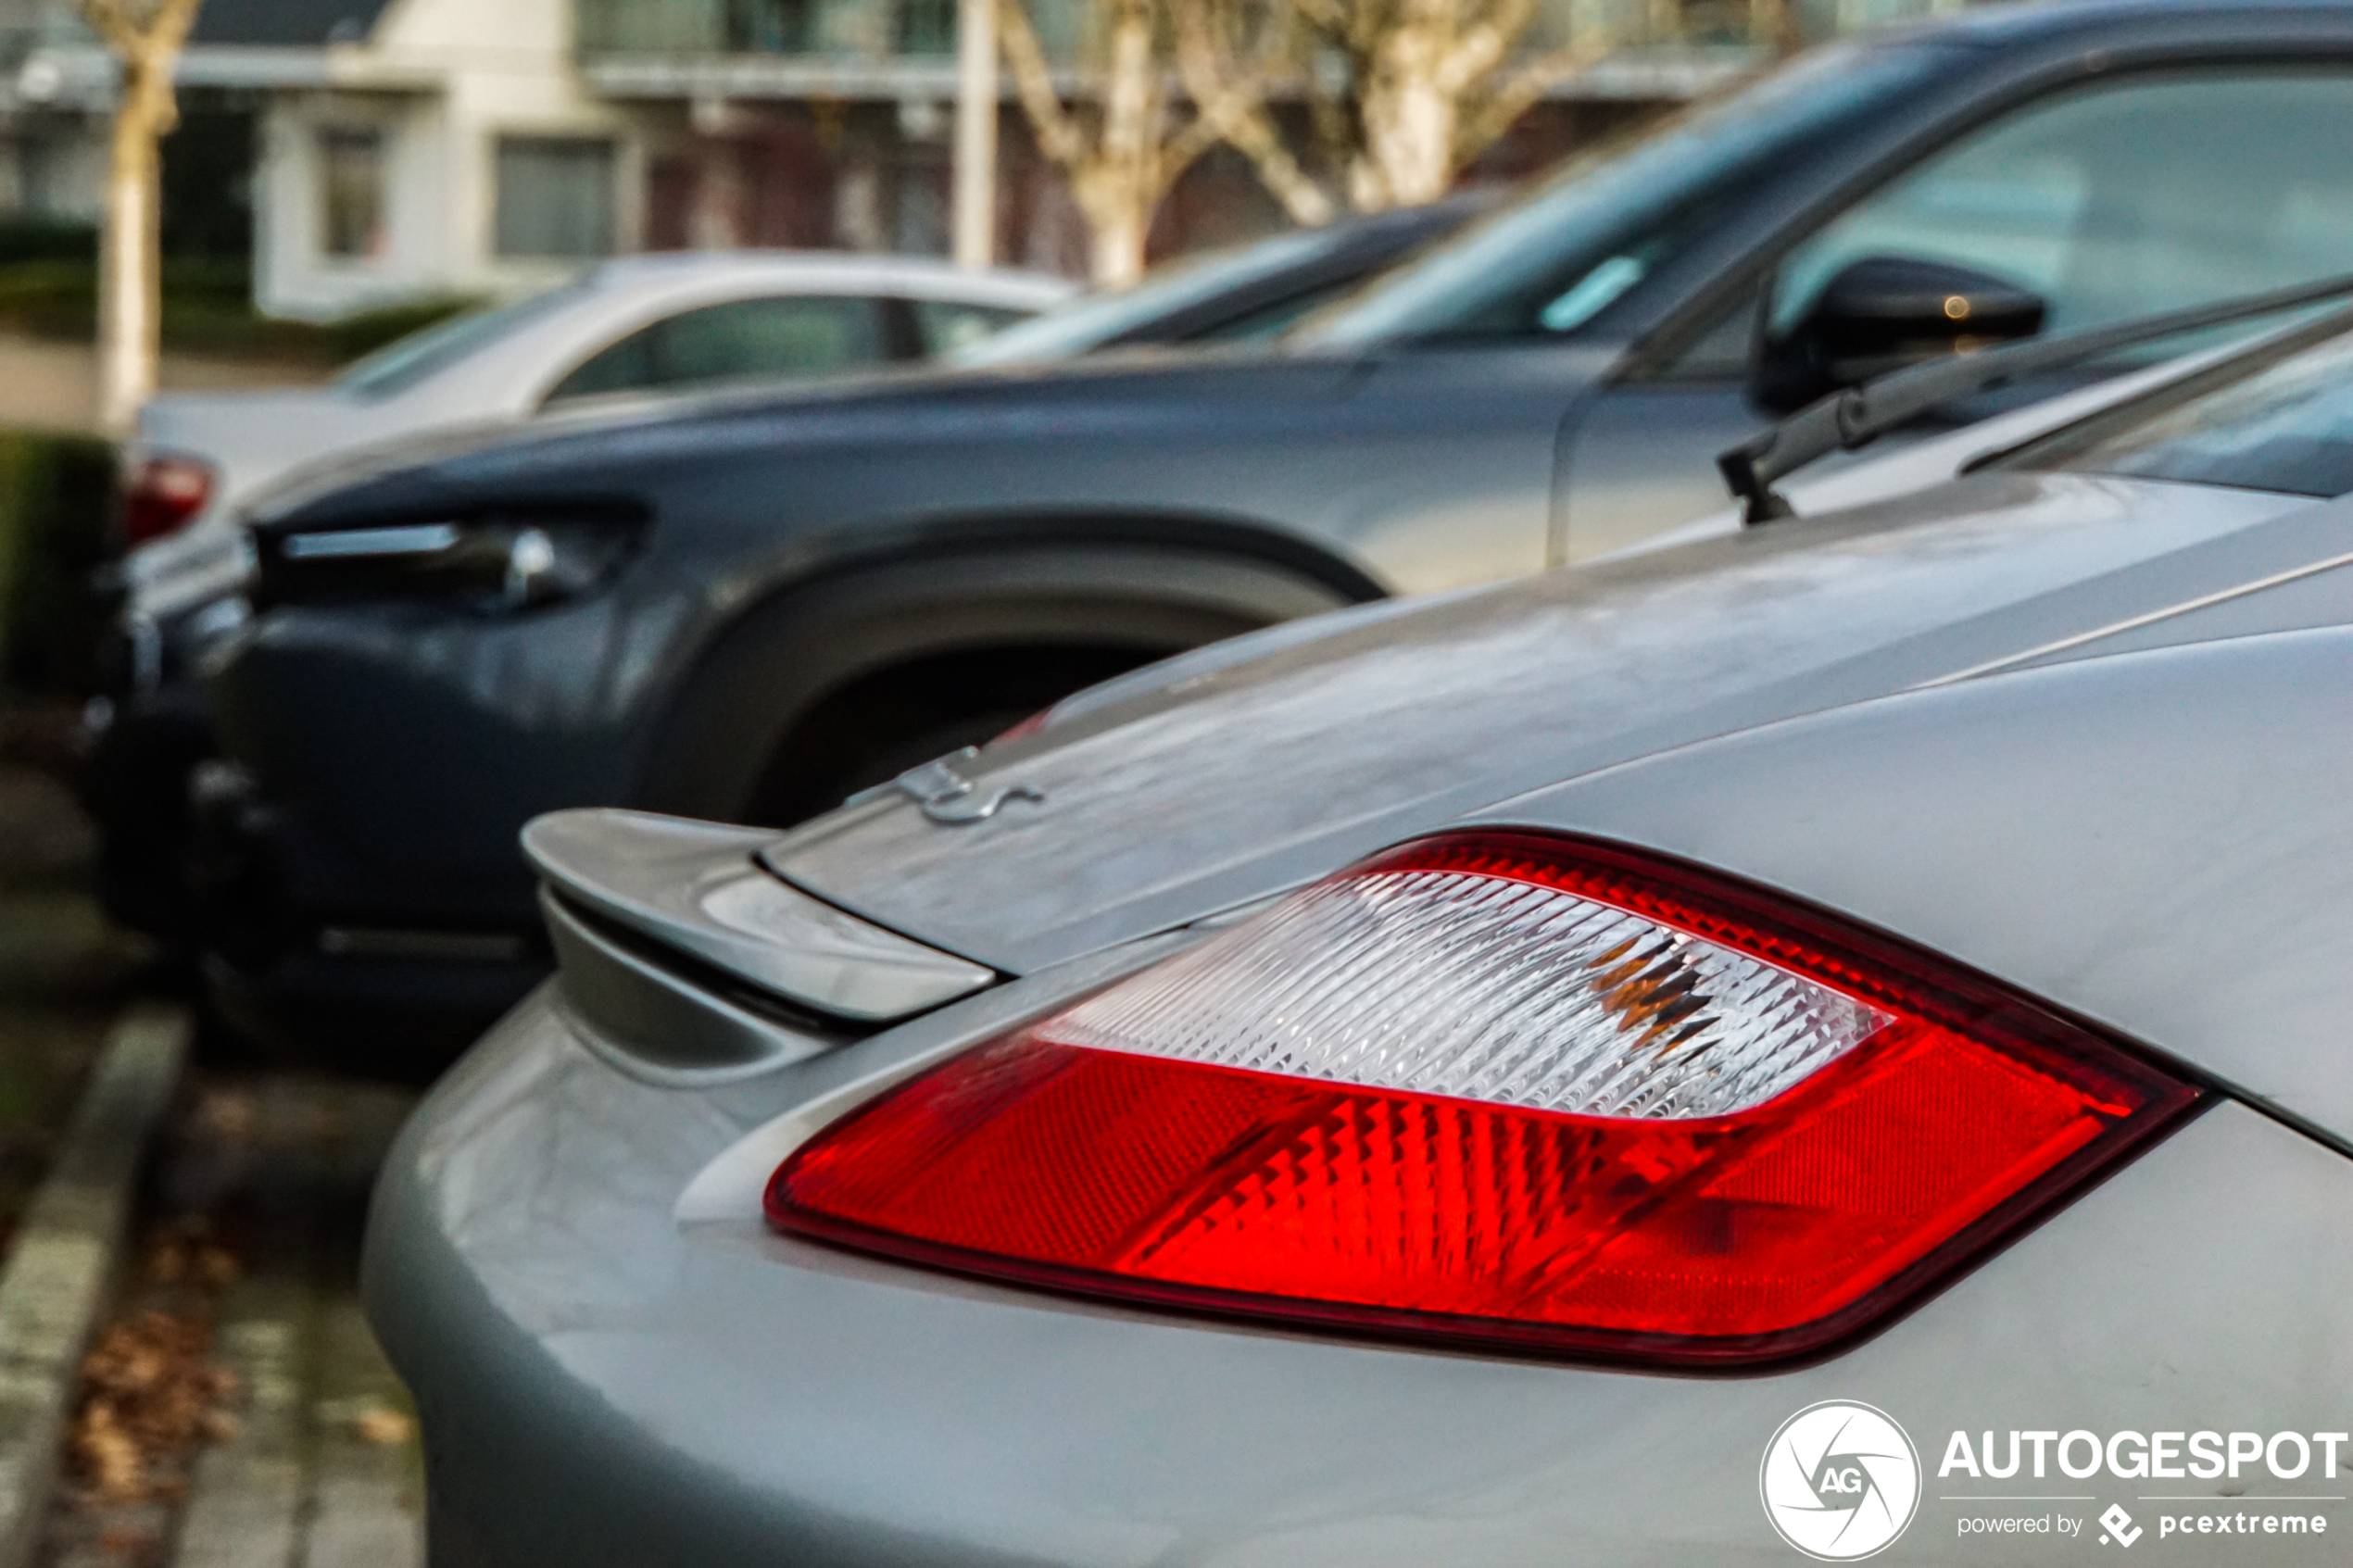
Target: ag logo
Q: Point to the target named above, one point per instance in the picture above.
(1840, 1481)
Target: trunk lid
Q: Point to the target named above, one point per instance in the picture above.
(1230, 774)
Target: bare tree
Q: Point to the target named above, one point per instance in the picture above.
(1122, 151)
(1165, 80)
(1413, 91)
(1773, 24)
(146, 37)
(1231, 54)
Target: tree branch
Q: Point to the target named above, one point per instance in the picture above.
(1133, 104)
(1180, 152)
(1236, 114)
(173, 24)
(1058, 134)
(111, 24)
(1479, 48)
(1493, 119)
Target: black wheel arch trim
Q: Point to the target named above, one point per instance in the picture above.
(816, 554)
(774, 636)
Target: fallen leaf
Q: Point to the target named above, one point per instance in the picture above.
(149, 1395)
(232, 1115)
(384, 1427)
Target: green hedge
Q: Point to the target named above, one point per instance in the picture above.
(56, 509)
(44, 239)
(207, 309)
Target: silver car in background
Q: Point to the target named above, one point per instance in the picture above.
(1824, 1037)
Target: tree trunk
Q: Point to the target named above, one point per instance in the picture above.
(1410, 121)
(975, 161)
(1773, 24)
(129, 285)
(1118, 214)
(1120, 169)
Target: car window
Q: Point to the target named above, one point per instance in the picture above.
(1553, 262)
(944, 326)
(2280, 420)
(2121, 200)
(743, 340)
(630, 365)
(401, 365)
(1277, 316)
(1093, 321)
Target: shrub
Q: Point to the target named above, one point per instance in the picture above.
(56, 509)
(47, 239)
(207, 309)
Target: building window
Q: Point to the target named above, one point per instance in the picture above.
(926, 27)
(771, 26)
(351, 193)
(555, 197)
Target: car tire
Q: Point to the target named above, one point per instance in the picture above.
(830, 687)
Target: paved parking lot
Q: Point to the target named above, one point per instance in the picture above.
(234, 1408)
(305, 1450)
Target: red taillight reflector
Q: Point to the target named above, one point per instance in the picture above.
(1022, 731)
(163, 496)
(1339, 1192)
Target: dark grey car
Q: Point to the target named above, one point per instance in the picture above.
(153, 729)
(748, 608)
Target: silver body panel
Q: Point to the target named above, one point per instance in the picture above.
(628, 1391)
(1237, 776)
(602, 1379)
(2167, 849)
(697, 887)
(2076, 738)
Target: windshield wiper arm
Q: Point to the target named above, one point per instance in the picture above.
(1854, 417)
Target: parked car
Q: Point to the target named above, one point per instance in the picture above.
(633, 326)
(1300, 1104)
(749, 607)
(1242, 294)
(184, 593)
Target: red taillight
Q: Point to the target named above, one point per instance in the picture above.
(1506, 1089)
(1023, 730)
(164, 494)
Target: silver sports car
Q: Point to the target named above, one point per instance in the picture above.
(1823, 1040)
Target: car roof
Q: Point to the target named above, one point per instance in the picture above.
(832, 272)
(2025, 21)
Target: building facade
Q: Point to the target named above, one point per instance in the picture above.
(393, 149)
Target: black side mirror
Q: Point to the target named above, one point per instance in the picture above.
(1884, 312)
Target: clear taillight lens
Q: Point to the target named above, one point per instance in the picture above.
(1504, 1088)
(164, 495)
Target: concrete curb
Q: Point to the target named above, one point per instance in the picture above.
(55, 1281)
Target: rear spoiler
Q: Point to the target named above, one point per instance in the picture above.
(679, 951)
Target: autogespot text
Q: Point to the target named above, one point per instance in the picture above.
(2155, 1456)
(2149, 1458)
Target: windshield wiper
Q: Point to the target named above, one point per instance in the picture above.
(1854, 417)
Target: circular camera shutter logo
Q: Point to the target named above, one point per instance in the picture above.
(1841, 1481)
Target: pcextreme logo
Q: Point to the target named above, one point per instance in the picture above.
(1841, 1481)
